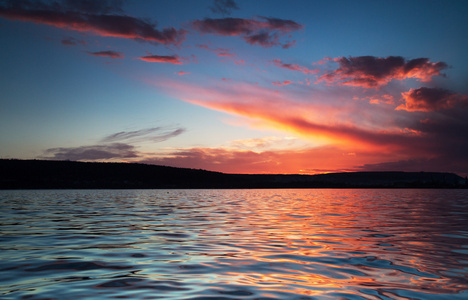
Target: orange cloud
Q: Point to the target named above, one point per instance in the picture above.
(431, 99)
(318, 122)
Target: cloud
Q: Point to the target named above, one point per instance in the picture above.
(431, 99)
(181, 73)
(94, 152)
(70, 41)
(223, 7)
(172, 59)
(203, 46)
(225, 54)
(294, 67)
(89, 16)
(260, 31)
(278, 83)
(154, 134)
(109, 53)
(373, 72)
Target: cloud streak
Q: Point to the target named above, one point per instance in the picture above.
(89, 16)
(114, 146)
(108, 53)
(171, 59)
(294, 67)
(154, 134)
(374, 72)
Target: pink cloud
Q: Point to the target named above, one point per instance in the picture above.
(286, 82)
(109, 53)
(373, 72)
(225, 54)
(294, 67)
(431, 99)
(181, 73)
(203, 46)
(172, 59)
(96, 21)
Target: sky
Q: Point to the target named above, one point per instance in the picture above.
(264, 86)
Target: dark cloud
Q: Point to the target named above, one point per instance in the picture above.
(70, 41)
(263, 38)
(371, 71)
(431, 99)
(109, 53)
(89, 16)
(155, 134)
(172, 59)
(114, 146)
(261, 31)
(93, 6)
(223, 7)
(294, 67)
(94, 152)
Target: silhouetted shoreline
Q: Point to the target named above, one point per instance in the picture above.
(44, 174)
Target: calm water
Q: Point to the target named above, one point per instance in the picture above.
(234, 244)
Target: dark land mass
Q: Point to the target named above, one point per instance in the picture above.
(43, 174)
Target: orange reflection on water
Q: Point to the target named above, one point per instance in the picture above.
(319, 241)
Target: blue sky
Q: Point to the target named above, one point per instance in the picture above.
(237, 86)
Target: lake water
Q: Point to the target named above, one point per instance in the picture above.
(234, 244)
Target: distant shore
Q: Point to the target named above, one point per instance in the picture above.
(44, 174)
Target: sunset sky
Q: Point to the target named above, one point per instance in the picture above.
(237, 86)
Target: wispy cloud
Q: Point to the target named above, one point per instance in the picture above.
(279, 83)
(98, 17)
(70, 41)
(118, 145)
(223, 7)
(108, 53)
(260, 31)
(373, 72)
(154, 134)
(294, 67)
(172, 59)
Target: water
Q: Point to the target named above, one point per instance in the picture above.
(234, 244)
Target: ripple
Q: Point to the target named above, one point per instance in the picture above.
(234, 244)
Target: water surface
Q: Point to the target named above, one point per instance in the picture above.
(234, 244)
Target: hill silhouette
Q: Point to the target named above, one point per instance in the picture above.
(44, 174)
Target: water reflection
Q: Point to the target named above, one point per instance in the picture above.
(235, 244)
